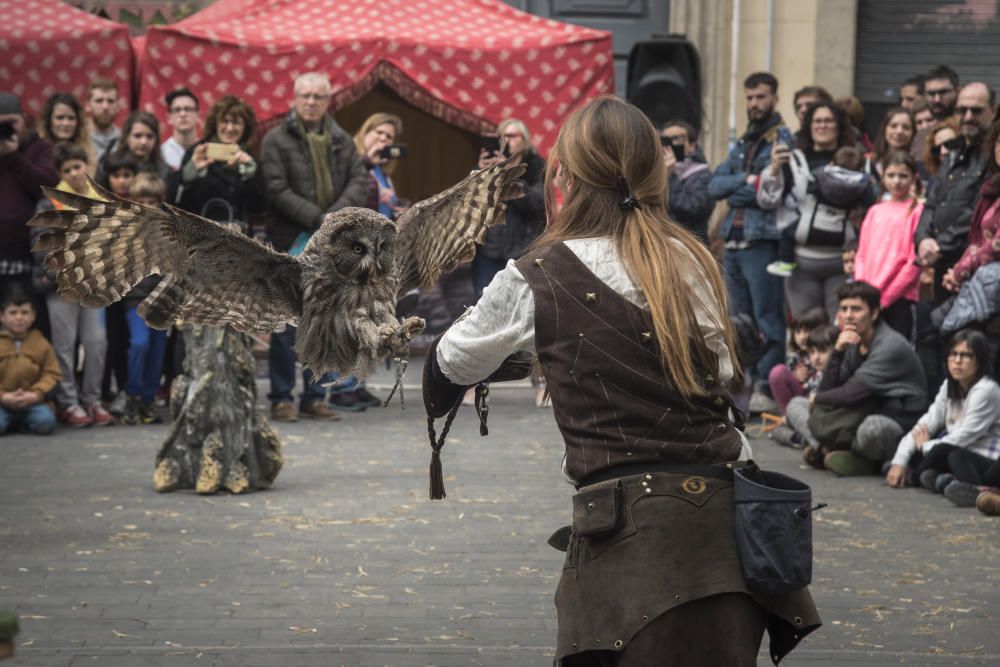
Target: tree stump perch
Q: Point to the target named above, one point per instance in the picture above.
(217, 439)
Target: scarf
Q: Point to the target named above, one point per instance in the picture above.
(758, 133)
(319, 151)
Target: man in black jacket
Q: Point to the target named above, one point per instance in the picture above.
(943, 232)
(311, 169)
(690, 204)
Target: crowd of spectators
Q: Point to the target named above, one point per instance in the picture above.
(849, 254)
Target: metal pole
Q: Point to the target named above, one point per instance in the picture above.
(769, 56)
(734, 61)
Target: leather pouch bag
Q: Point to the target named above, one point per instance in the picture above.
(598, 511)
(773, 530)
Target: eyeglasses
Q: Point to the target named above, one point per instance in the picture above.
(961, 356)
(939, 93)
(184, 110)
(975, 111)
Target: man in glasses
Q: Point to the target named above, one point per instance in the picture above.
(690, 203)
(182, 107)
(941, 91)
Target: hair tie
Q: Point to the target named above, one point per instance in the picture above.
(629, 202)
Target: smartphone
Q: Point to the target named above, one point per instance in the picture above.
(220, 152)
(506, 150)
(678, 150)
(491, 145)
(6, 130)
(393, 152)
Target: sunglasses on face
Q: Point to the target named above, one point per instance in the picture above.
(975, 111)
(952, 145)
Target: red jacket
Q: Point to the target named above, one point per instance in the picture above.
(984, 243)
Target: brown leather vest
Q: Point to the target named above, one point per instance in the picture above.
(611, 400)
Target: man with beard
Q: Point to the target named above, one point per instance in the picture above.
(751, 233)
(943, 232)
(26, 164)
(941, 90)
(101, 108)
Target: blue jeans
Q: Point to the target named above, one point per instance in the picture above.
(37, 419)
(754, 291)
(281, 368)
(146, 347)
(483, 270)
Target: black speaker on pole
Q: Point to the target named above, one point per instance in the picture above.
(664, 80)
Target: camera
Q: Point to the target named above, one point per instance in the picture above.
(491, 145)
(393, 152)
(7, 130)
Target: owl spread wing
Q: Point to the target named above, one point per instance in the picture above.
(212, 274)
(439, 233)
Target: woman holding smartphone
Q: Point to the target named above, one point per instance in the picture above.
(219, 179)
(525, 218)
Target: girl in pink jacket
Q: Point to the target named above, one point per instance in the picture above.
(886, 257)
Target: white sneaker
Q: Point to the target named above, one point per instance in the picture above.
(117, 405)
(761, 402)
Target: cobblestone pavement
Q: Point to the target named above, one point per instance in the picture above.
(346, 562)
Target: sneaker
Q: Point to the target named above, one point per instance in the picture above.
(761, 402)
(942, 481)
(99, 416)
(75, 416)
(345, 401)
(368, 399)
(928, 478)
(813, 456)
(847, 464)
(988, 502)
(786, 436)
(117, 405)
(319, 410)
(962, 494)
(284, 411)
(132, 415)
(783, 269)
(148, 414)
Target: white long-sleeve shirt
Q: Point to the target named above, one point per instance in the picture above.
(503, 321)
(973, 422)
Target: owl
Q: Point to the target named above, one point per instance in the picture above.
(340, 292)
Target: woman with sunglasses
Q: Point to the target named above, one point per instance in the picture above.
(942, 140)
(954, 447)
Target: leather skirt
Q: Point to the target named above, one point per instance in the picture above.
(654, 556)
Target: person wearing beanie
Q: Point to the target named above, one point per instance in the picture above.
(26, 164)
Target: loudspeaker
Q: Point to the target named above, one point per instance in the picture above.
(664, 80)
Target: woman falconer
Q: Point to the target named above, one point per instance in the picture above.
(637, 369)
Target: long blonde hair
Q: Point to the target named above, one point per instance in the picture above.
(598, 144)
(371, 123)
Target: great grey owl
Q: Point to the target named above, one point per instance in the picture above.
(341, 291)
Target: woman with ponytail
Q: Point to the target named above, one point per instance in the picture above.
(625, 311)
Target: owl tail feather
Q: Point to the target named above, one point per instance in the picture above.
(161, 307)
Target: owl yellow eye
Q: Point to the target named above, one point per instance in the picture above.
(358, 248)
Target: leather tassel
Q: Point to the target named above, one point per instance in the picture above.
(482, 408)
(437, 476)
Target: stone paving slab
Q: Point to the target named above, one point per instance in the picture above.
(346, 562)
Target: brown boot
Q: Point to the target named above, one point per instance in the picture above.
(319, 410)
(988, 503)
(284, 412)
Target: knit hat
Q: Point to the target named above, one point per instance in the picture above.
(9, 103)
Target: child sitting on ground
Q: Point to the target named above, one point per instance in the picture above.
(955, 447)
(886, 257)
(789, 379)
(795, 431)
(28, 367)
(823, 199)
(70, 319)
(146, 346)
